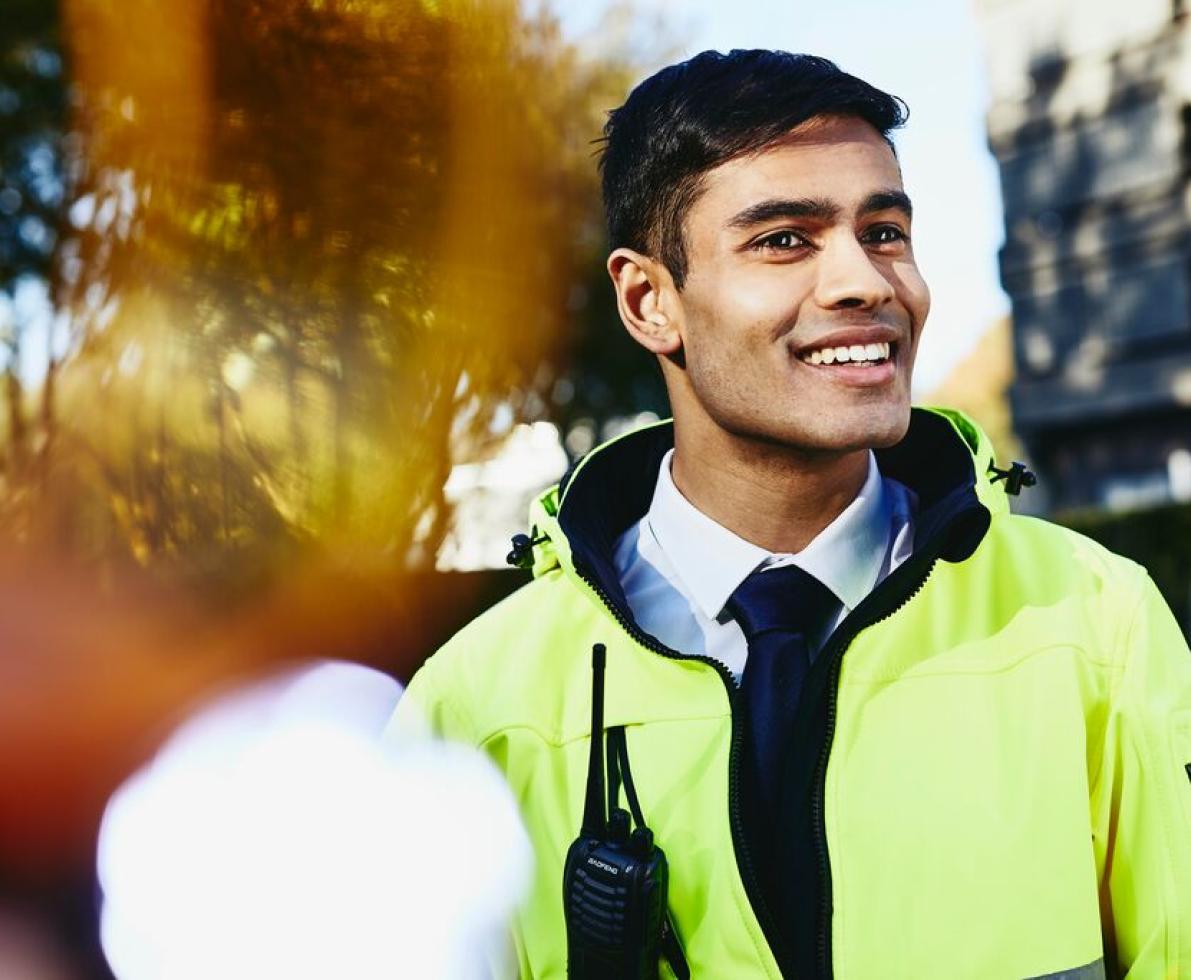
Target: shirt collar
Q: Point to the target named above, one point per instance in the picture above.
(846, 556)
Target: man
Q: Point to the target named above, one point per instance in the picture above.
(880, 726)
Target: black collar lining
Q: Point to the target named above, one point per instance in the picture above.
(613, 489)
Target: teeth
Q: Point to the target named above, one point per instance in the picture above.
(855, 353)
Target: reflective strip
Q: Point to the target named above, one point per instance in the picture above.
(1093, 971)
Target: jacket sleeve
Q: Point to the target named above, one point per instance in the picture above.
(1141, 800)
(432, 706)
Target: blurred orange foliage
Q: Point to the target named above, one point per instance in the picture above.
(312, 244)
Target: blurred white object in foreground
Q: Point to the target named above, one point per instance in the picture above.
(275, 836)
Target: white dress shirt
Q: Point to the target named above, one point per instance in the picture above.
(678, 567)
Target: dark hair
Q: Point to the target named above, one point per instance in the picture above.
(691, 117)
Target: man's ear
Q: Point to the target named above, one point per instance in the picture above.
(647, 300)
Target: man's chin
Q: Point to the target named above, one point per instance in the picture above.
(891, 437)
(858, 433)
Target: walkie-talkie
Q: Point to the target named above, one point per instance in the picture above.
(614, 881)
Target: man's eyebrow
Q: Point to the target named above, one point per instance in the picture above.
(817, 209)
(888, 200)
(803, 207)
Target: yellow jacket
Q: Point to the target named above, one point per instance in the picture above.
(996, 742)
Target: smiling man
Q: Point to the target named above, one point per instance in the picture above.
(880, 726)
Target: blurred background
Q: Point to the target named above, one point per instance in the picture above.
(302, 300)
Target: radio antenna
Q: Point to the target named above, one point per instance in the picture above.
(595, 820)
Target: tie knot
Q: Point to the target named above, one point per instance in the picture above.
(785, 599)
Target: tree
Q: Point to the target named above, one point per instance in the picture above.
(32, 133)
(307, 248)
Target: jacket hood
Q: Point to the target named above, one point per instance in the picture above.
(944, 458)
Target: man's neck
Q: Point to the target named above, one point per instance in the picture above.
(775, 497)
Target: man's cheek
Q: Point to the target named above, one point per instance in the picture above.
(916, 291)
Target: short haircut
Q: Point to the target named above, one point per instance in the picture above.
(691, 117)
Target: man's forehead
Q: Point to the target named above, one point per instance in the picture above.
(843, 158)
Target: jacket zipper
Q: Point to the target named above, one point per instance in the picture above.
(735, 820)
(835, 648)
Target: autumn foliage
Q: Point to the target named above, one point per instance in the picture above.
(299, 251)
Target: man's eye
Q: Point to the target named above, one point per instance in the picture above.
(885, 235)
(780, 241)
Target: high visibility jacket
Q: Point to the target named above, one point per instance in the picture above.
(996, 743)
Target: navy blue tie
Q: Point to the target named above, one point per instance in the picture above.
(781, 611)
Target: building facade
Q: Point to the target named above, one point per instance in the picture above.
(1090, 123)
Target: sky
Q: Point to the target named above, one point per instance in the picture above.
(929, 53)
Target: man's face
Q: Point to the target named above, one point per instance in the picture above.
(802, 307)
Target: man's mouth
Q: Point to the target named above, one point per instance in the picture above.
(862, 355)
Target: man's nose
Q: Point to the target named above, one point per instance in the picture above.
(848, 276)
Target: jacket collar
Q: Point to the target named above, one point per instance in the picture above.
(944, 459)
